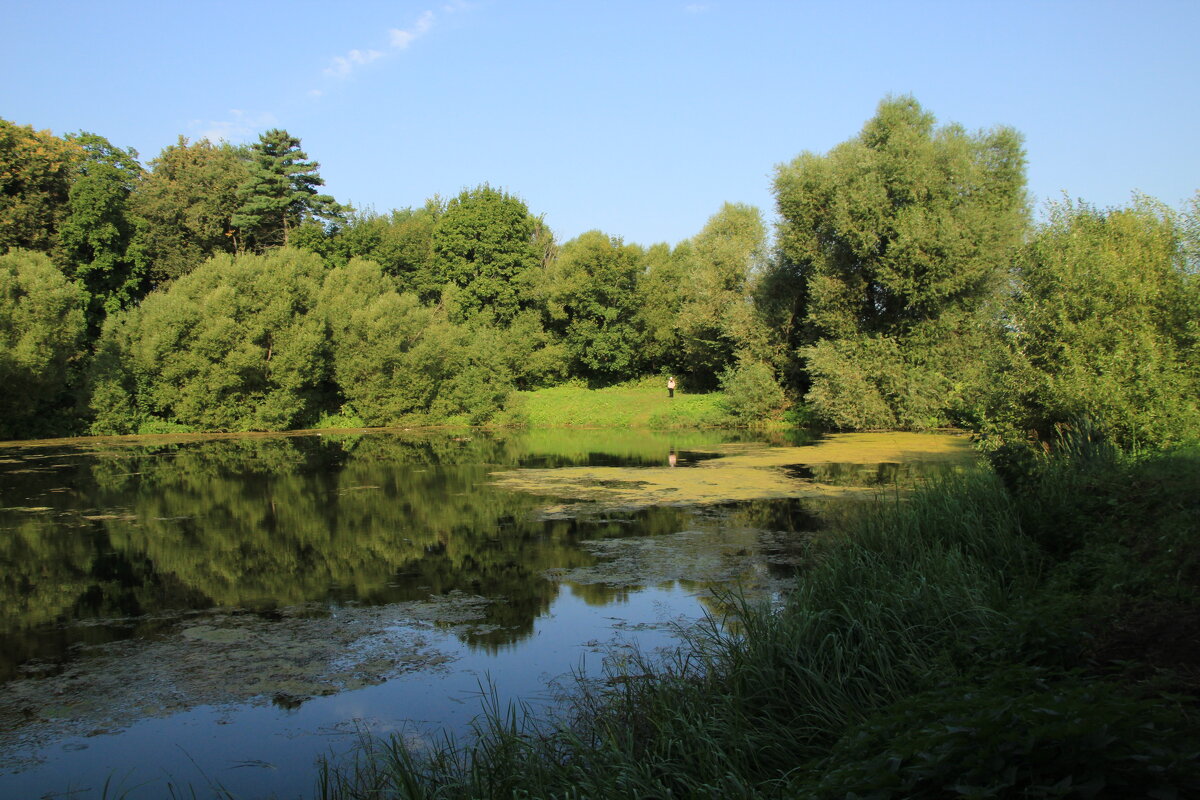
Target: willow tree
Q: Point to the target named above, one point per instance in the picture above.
(41, 338)
(900, 235)
(1103, 327)
(383, 361)
(235, 345)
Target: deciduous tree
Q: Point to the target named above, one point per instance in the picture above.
(232, 346)
(383, 364)
(900, 235)
(185, 206)
(95, 235)
(41, 338)
(592, 301)
(717, 320)
(36, 168)
(400, 242)
(490, 247)
(1103, 327)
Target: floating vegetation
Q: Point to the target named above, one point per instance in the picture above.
(739, 472)
(228, 658)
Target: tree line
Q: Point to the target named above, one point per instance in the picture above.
(906, 286)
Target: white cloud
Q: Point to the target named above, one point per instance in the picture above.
(398, 38)
(341, 66)
(697, 8)
(239, 127)
(403, 37)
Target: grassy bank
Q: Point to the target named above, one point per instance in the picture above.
(977, 640)
(641, 404)
(637, 404)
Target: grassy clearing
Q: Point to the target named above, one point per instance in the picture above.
(972, 641)
(637, 404)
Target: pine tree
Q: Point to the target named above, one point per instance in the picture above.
(280, 193)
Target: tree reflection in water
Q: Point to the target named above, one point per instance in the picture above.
(144, 577)
(121, 536)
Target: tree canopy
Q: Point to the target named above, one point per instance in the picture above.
(36, 168)
(488, 245)
(905, 287)
(41, 333)
(230, 346)
(185, 206)
(1102, 325)
(592, 299)
(97, 230)
(899, 236)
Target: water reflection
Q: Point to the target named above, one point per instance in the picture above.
(148, 576)
(129, 534)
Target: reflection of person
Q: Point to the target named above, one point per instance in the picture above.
(671, 386)
(671, 458)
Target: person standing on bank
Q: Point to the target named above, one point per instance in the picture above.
(671, 386)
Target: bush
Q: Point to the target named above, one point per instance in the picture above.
(1102, 325)
(231, 346)
(751, 392)
(873, 383)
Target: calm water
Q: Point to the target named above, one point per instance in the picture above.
(222, 611)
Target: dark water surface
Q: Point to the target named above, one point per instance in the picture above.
(199, 612)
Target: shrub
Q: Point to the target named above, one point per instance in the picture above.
(230, 346)
(872, 383)
(751, 392)
(1102, 325)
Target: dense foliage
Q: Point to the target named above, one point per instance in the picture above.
(35, 181)
(41, 332)
(1103, 323)
(901, 233)
(906, 288)
(184, 206)
(592, 299)
(233, 345)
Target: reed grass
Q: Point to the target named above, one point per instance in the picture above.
(931, 597)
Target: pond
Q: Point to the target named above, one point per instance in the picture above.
(195, 612)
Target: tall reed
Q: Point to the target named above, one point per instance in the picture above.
(941, 595)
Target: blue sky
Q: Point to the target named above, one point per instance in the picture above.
(637, 118)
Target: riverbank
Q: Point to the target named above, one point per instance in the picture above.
(1036, 639)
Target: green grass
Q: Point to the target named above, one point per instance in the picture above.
(962, 643)
(637, 404)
